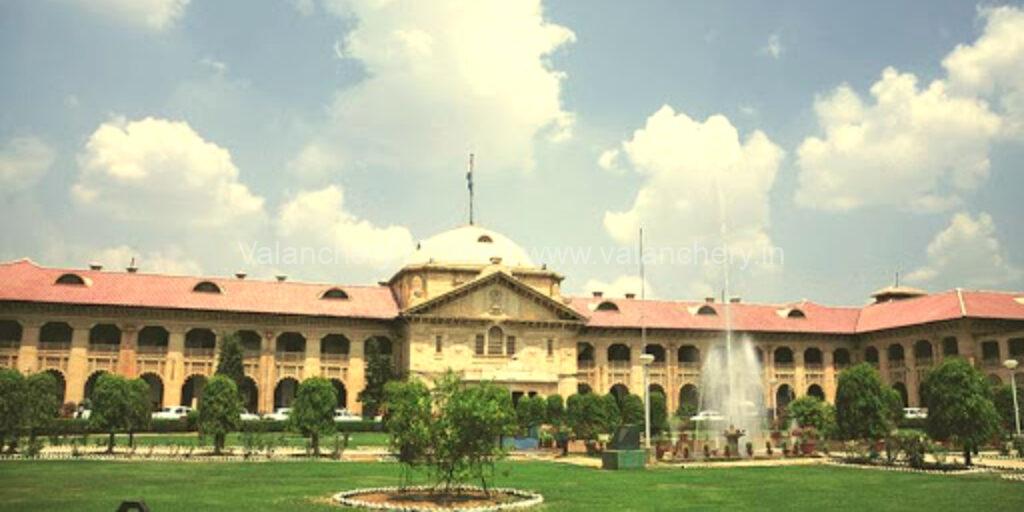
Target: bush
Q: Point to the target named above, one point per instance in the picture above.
(864, 405)
(219, 410)
(554, 410)
(632, 410)
(529, 413)
(313, 410)
(809, 411)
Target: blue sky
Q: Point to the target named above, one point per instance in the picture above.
(847, 141)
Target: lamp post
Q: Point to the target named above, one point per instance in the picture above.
(1011, 364)
(646, 360)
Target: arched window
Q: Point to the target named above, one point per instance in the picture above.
(1017, 348)
(620, 391)
(871, 355)
(55, 336)
(248, 391)
(657, 351)
(895, 353)
(200, 342)
(584, 354)
(607, 306)
(816, 391)
(950, 347)
(812, 357)
(341, 392)
(796, 313)
(689, 355)
(707, 310)
(291, 346)
(70, 279)
(104, 338)
(783, 356)
(334, 347)
(689, 400)
(841, 358)
(206, 287)
(90, 383)
(923, 353)
(335, 294)
(583, 388)
(156, 390)
(495, 341)
(10, 334)
(251, 342)
(153, 339)
(484, 239)
(901, 388)
(284, 392)
(783, 396)
(990, 352)
(618, 353)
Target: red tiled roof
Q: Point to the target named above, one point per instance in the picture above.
(23, 280)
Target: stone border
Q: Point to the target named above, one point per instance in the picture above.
(348, 499)
(121, 457)
(1018, 477)
(906, 469)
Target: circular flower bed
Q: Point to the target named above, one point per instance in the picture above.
(426, 498)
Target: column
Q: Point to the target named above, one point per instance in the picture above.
(311, 366)
(799, 373)
(601, 368)
(356, 378)
(28, 352)
(126, 357)
(883, 364)
(267, 370)
(174, 372)
(78, 362)
(828, 360)
(636, 369)
(671, 381)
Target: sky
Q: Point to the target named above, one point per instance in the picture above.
(781, 150)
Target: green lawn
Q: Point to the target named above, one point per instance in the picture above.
(99, 485)
(356, 440)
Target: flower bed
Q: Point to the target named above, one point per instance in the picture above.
(426, 498)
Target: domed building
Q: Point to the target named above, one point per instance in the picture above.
(473, 301)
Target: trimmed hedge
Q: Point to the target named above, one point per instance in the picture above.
(78, 426)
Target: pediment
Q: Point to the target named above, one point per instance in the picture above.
(495, 296)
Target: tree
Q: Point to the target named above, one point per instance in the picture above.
(138, 408)
(585, 415)
(12, 404)
(611, 417)
(960, 408)
(41, 403)
(230, 361)
(632, 410)
(529, 412)
(409, 421)
(554, 410)
(811, 411)
(112, 403)
(219, 410)
(659, 413)
(864, 405)
(313, 410)
(379, 372)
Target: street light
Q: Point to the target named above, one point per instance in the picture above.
(1011, 364)
(646, 360)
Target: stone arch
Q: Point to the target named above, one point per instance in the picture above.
(10, 334)
(249, 392)
(871, 355)
(922, 352)
(62, 383)
(689, 396)
(688, 354)
(584, 353)
(813, 356)
(620, 391)
(816, 391)
(657, 388)
(290, 343)
(657, 351)
(200, 341)
(618, 353)
(55, 334)
(104, 338)
(252, 343)
(153, 339)
(901, 388)
(90, 384)
(783, 396)
(380, 345)
(334, 347)
(841, 358)
(156, 390)
(284, 392)
(895, 354)
(583, 388)
(192, 390)
(342, 392)
(783, 355)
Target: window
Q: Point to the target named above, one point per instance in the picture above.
(438, 345)
(551, 347)
(607, 306)
(71, 279)
(335, 294)
(495, 341)
(707, 310)
(479, 344)
(510, 346)
(990, 350)
(950, 346)
(796, 313)
(484, 239)
(206, 287)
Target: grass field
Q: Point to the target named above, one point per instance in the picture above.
(188, 487)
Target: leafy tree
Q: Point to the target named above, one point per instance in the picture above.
(12, 407)
(112, 406)
(811, 411)
(554, 410)
(138, 408)
(659, 413)
(230, 361)
(632, 410)
(409, 422)
(219, 410)
(611, 417)
(41, 403)
(313, 410)
(864, 405)
(379, 372)
(960, 407)
(1002, 398)
(530, 412)
(586, 416)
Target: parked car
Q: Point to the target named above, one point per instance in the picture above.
(248, 416)
(279, 414)
(915, 413)
(344, 415)
(176, 412)
(83, 414)
(708, 416)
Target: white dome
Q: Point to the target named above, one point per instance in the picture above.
(470, 245)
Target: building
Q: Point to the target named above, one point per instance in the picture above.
(470, 299)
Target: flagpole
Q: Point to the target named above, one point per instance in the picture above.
(469, 183)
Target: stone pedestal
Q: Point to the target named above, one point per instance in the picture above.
(624, 459)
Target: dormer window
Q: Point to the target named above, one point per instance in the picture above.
(335, 294)
(71, 279)
(796, 313)
(206, 287)
(707, 310)
(607, 306)
(484, 239)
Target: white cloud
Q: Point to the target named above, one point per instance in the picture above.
(162, 172)
(23, 160)
(318, 219)
(774, 47)
(609, 160)
(968, 253)
(170, 260)
(918, 149)
(618, 287)
(157, 15)
(445, 79)
(993, 66)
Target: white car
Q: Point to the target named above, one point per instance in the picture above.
(176, 412)
(915, 413)
(344, 415)
(248, 416)
(279, 414)
(83, 414)
(708, 416)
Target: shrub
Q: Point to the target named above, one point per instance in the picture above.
(632, 410)
(585, 415)
(12, 406)
(864, 405)
(219, 410)
(659, 414)
(529, 413)
(809, 411)
(313, 410)
(554, 410)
